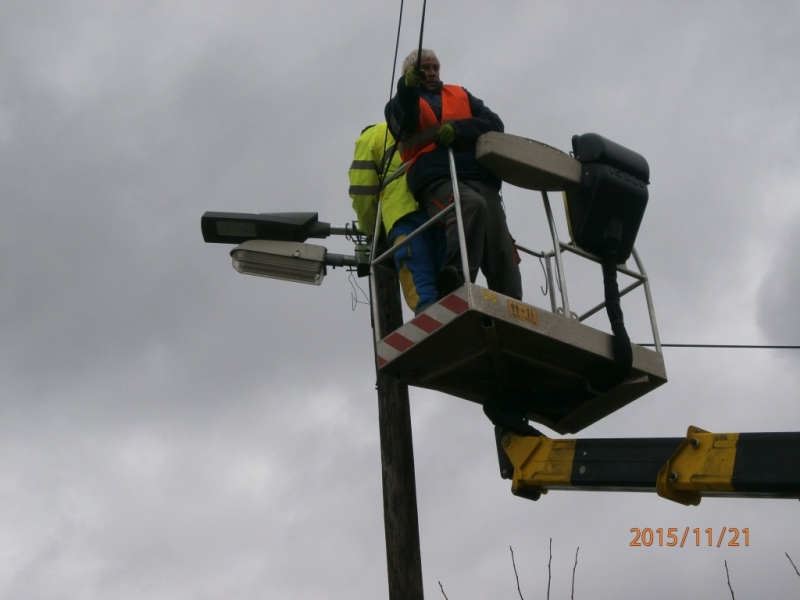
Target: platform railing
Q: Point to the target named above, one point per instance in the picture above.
(462, 241)
(554, 255)
(640, 277)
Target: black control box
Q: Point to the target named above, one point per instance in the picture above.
(605, 210)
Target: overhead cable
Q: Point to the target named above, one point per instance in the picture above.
(728, 346)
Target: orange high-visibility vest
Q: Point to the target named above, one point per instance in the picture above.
(455, 105)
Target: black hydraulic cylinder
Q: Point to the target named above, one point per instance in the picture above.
(622, 464)
(767, 464)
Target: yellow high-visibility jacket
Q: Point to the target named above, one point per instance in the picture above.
(396, 199)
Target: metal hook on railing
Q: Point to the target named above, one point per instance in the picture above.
(546, 287)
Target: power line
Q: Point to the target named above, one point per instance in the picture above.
(728, 346)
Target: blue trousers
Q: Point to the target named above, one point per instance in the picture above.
(420, 261)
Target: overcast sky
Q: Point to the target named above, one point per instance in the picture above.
(172, 429)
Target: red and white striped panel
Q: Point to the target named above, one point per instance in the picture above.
(421, 326)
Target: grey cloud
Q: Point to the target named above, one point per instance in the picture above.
(173, 429)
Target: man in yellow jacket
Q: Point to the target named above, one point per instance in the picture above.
(419, 262)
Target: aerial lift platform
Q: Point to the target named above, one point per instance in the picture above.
(478, 344)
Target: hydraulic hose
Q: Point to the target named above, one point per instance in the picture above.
(623, 355)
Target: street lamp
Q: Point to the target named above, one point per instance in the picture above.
(290, 261)
(235, 228)
(271, 244)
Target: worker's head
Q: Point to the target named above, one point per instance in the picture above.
(429, 65)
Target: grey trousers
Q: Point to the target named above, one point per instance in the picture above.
(489, 243)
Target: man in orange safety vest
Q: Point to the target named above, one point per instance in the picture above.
(428, 117)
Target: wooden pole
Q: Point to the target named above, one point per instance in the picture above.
(401, 523)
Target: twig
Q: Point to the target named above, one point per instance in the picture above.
(575, 566)
(728, 575)
(791, 561)
(441, 588)
(515, 572)
(549, 574)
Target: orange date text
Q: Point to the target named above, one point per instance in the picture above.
(690, 536)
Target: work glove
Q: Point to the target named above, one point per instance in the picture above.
(414, 77)
(445, 136)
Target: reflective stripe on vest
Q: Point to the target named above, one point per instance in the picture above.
(455, 105)
(371, 170)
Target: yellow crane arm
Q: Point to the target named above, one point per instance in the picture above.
(763, 465)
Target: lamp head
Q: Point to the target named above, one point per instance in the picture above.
(235, 228)
(290, 261)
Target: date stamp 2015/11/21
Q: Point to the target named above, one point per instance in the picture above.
(673, 537)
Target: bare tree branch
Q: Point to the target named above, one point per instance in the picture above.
(575, 566)
(791, 561)
(441, 588)
(728, 575)
(515, 572)
(549, 574)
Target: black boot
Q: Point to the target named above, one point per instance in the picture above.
(448, 281)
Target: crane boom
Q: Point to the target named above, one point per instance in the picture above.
(685, 470)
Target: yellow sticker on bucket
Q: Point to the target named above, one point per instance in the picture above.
(523, 312)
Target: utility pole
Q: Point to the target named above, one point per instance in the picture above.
(400, 518)
(272, 245)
